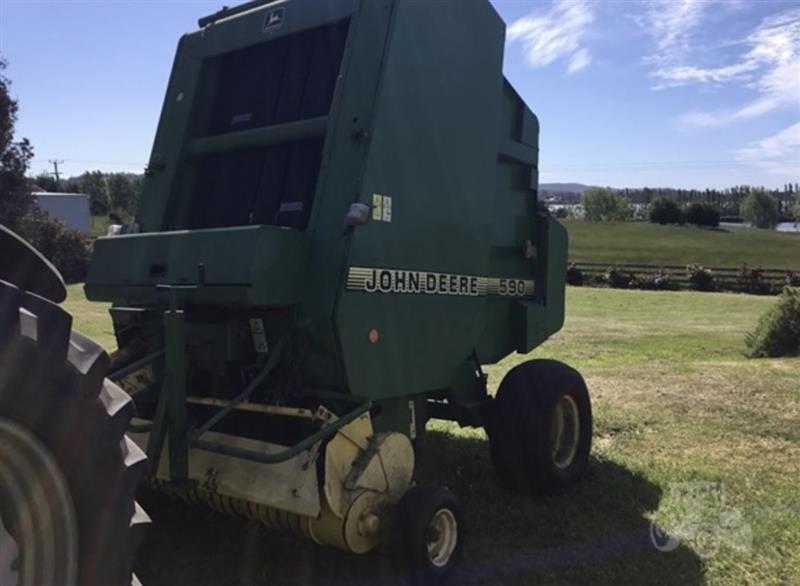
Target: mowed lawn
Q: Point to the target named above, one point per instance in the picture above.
(645, 243)
(678, 411)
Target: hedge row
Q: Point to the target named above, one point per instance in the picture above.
(758, 281)
(69, 250)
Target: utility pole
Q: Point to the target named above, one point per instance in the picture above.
(55, 164)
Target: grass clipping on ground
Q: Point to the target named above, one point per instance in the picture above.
(778, 331)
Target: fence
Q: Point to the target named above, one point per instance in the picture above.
(725, 278)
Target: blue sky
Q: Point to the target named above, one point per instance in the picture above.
(663, 93)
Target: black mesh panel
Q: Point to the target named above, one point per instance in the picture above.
(283, 80)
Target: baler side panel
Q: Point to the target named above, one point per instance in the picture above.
(180, 100)
(513, 212)
(440, 95)
(535, 321)
(339, 186)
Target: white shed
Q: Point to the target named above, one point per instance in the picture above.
(71, 208)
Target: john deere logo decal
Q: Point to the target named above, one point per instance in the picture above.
(274, 19)
(376, 280)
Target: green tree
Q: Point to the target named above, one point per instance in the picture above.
(15, 197)
(603, 204)
(46, 182)
(778, 330)
(124, 190)
(68, 249)
(665, 211)
(796, 209)
(137, 182)
(760, 209)
(94, 184)
(702, 214)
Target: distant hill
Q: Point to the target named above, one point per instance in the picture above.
(577, 188)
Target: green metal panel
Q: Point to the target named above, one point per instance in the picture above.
(438, 103)
(514, 221)
(533, 321)
(248, 266)
(353, 115)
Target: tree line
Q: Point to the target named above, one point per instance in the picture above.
(109, 193)
(727, 201)
(68, 250)
(757, 206)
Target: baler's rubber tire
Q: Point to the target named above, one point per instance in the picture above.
(52, 388)
(528, 452)
(427, 535)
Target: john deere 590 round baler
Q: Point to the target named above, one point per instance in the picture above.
(339, 226)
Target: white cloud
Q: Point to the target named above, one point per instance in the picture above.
(580, 60)
(555, 34)
(671, 23)
(769, 65)
(683, 74)
(779, 154)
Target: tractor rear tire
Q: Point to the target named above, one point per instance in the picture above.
(68, 473)
(540, 430)
(427, 535)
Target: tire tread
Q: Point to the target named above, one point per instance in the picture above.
(52, 382)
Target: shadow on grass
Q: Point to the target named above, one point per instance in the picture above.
(596, 534)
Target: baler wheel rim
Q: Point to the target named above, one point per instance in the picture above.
(565, 432)
(427, 535)
(442, 537)
(537, 403)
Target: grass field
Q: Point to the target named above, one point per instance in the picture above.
(642, 242)
(674, 402)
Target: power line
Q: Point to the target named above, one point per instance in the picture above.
(55, 163)
(656, 165)
(544, 169)
(93, 162)
(621, 166)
